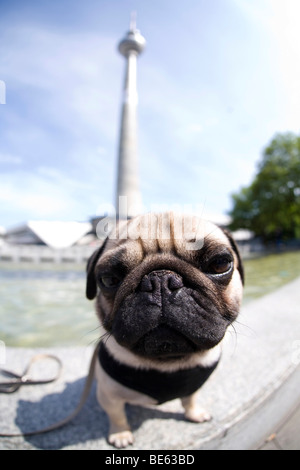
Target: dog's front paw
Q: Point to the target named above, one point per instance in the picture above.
(121, 439)
(197, 415)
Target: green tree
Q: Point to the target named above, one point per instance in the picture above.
(270, 206)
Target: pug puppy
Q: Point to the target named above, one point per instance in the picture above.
(167, 287)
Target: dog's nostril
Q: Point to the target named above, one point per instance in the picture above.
(175, 282)
(146, 284)
(160, 281)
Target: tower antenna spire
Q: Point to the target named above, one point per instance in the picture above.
(132, 26)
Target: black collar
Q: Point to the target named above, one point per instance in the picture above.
(162, 386)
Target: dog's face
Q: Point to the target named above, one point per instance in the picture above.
(164, 292)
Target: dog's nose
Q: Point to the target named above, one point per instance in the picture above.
(161, 281)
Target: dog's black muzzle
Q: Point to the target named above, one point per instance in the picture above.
(165, 318)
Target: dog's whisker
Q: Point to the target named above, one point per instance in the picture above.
(234, 334)
(249, 333)
(105, 337)
(93, 342)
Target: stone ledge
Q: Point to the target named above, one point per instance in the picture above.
(251, 391)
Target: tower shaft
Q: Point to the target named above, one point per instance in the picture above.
(128, 195)
(128, 180)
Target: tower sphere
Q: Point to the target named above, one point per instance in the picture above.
(133, 42)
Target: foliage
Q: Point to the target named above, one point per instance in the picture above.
(270, 206)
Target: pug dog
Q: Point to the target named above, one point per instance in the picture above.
(166, 291)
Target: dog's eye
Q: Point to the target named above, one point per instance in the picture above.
(109, 281)
(220, 265)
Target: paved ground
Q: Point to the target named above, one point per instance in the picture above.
(286, 436)
(253, 395)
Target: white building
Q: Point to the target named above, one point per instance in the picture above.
(52, 234)
(2, 234)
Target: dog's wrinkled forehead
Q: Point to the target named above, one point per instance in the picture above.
(159, 237)
(162, 233)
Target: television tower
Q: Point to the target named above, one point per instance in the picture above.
(128, 195)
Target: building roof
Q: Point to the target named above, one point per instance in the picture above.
(217, 218)
(243, 235)
(54, 233)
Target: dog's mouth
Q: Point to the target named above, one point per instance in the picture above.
(164, 343)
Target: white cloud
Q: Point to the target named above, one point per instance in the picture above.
(75, 73)
(279, 20)
(194, 128)
(46, 194)
(11, 159)
(30, 194)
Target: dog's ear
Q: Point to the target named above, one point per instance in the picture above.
(236, 250)
(91, 284)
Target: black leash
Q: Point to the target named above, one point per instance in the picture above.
(11, 386)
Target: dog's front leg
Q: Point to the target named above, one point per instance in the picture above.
(193, 412)
(120, 434)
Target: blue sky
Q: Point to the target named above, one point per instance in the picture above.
(217, 80)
